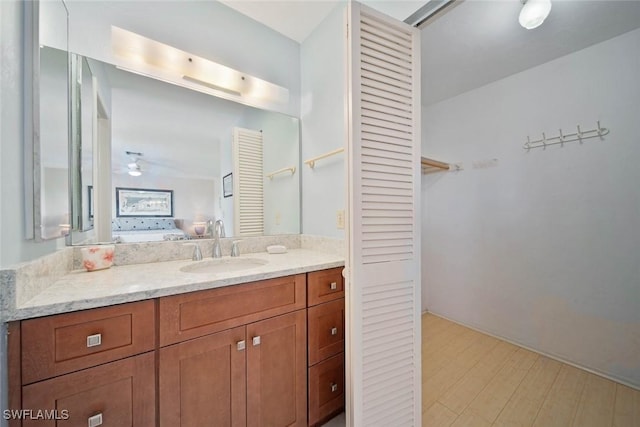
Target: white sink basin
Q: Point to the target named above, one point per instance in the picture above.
(226, 265)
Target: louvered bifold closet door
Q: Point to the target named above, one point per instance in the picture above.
(248, 182)
(384, 221)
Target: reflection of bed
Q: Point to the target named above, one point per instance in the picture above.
(142, 229)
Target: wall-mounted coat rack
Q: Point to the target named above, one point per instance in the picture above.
(579, 135)
(312, 162)
(291, 169)
(431, 165)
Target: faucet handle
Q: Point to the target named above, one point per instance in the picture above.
(235, 250)
(197, 253)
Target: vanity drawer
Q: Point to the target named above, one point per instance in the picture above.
(63, 343)
(326, 330)
(325, 285)
(196, 314)
(120, 393)
(326, 389)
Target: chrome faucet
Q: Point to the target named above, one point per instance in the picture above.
(218, 232)
(209, 231)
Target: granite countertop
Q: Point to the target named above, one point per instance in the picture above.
(80, 290)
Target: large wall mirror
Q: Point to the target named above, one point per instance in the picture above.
(168, 138)
(132, 137)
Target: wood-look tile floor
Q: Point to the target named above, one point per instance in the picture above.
(472, 379)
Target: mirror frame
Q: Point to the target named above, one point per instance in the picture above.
(32, 140)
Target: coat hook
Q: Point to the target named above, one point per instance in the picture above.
(561, 137)
(544, 140)
(528, 143)
(600, 133)
(579, 133)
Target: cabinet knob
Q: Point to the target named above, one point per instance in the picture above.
(241, 345)
(94, 341)
(256, 340)
(334, 387)
(95, 420)
(333, 286)
(334, 331)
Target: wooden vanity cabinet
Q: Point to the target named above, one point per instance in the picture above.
(230, 356)
(254, 374)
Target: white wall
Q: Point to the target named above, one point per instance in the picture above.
(13, 246)
(323, 66)
(544, 248)
(281, 148)
(226, 167)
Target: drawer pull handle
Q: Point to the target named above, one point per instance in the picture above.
(95, 421)
(256, 340)
(334, 331)
(241, 345)
(94, 341)
(333, 286)
(334, 387)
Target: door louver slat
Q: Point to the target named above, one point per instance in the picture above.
(383, 156)
(248, 182)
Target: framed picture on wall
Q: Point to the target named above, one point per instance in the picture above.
(227, 185)
(143, 202)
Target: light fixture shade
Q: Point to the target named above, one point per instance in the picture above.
(135, 172)
(533, 13)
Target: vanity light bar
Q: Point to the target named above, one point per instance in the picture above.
(211, 85)
(148, 57)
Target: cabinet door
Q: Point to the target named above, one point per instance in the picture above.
(117, 394)
(203, 381)
(277, 371)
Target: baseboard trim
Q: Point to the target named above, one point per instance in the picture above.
(543, 353)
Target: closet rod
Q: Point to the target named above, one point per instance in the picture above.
(424, 161)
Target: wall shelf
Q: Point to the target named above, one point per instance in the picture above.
(312, 162)
(291, 169)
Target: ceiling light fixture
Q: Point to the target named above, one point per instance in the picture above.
(133, 166)
(533, 13)
(141, 55)
(135, 170)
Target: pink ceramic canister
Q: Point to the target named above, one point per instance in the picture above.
(97, 257)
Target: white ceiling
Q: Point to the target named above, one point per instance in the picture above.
(474, 43)
(478, 42)
(296, 19)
